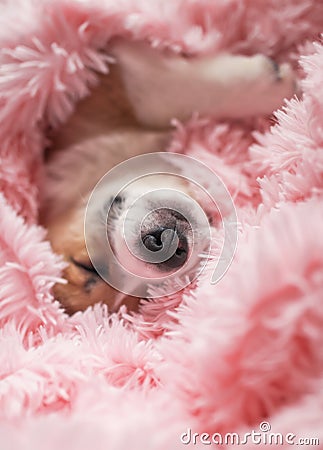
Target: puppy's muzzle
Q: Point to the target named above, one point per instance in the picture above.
(164, 235)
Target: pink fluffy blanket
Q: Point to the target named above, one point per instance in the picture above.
(223, 358)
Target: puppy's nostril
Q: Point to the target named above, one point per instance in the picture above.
(180, 256)
(180, 252)
(153, 240)
(152, 243)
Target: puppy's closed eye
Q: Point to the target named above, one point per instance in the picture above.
(91, 275)
(85, 265)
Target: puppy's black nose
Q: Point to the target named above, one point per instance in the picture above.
(161, 239)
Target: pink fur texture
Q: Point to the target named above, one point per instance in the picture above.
(214, 358)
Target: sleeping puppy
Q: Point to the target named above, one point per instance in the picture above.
(126, 115)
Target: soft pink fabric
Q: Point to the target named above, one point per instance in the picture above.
(214, 358)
